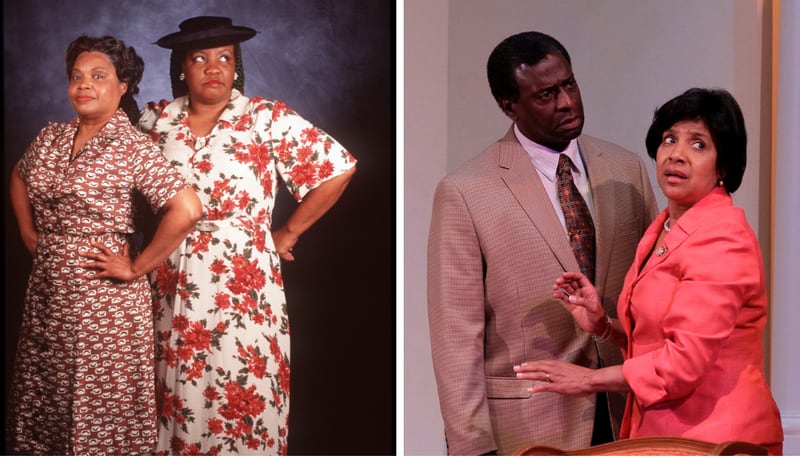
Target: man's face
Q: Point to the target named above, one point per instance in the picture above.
(549, 110)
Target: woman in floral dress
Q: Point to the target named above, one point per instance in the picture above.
(83, 380)
(222, 329)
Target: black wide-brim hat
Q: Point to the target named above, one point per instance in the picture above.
(206, 32)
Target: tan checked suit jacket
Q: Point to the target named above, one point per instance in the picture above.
(495, 249)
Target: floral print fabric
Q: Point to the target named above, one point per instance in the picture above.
(83, 380)
(222, 329)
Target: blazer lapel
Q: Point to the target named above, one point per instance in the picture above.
(523, 181)
(604, 199)
(700, 213)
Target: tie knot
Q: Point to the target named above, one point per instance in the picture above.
(565, 165)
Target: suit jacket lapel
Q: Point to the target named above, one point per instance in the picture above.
(523, 181)
(605, 218)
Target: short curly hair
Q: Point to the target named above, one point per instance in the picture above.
(528, 48)
(722, 116)
(128, 65)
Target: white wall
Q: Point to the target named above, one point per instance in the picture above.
(629, 56)
(425, 146)
(786, 317)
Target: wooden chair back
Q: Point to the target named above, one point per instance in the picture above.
(652, 446)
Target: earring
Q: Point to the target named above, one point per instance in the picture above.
(721, 183)
(236, 76)
(182, 76)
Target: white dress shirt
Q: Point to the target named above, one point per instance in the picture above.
(545, 160)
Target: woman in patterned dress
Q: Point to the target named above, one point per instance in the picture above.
(83, 382)
(222, 329)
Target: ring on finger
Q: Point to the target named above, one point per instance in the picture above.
(547, 377)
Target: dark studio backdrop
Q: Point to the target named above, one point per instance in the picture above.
(333, 61)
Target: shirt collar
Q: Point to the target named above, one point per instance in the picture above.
(545, 159)
(226, 115)
(112, 128)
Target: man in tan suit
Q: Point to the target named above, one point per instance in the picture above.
(497, 243)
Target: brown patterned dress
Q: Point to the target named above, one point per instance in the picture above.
(83, 381)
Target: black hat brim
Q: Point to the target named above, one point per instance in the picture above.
(183, 40)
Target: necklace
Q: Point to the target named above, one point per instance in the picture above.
(666, 225)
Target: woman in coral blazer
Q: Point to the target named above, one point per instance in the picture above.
(693, 307)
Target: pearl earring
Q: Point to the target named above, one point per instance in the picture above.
(182, 76)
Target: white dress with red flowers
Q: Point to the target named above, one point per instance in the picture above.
(222, 331)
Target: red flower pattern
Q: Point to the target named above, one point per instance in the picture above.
(204, 166)
(276, 274)
(284, 150)
(166, 279)
(304, 154)
(180, 322)
(215, 425)
(243, 124)
(325, 169)
(246, 276)
(310, 135)
(201, 244)
(197, 337)
(181, 289)
(241, 402)
(304, 174)
(211, 393)
(245, 305)
(196, 369)
(222, 300)
(218, 267)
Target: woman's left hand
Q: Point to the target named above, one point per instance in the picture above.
(557, 377)
(108, 265)
(582, 300)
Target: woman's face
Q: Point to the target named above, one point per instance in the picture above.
(686, 163)
(209, 74)
(94, 88)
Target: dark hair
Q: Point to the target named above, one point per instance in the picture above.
(128, 65)
(179, 88)
(719, 111)
(526, 48)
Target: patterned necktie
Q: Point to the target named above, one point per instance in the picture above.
(580, 227)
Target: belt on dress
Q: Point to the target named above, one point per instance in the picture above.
(213, 225)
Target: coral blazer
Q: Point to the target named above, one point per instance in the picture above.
(695, 316)
(495, 249)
